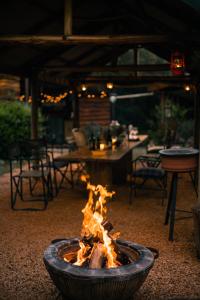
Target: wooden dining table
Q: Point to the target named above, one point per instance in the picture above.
(106, 167)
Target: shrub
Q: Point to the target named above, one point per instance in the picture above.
(15, 120)
(176, 128)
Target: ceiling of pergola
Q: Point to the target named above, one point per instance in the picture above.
(176, 23)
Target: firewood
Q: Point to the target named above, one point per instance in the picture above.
(88, 239)
(107, 225)
(70, 256)
(97, 257)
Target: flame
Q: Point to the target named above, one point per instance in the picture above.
(94, 215)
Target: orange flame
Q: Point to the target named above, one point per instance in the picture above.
(94, 215)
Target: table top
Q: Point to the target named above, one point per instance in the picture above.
(84, 154)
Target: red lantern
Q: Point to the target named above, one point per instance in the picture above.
(177, 63)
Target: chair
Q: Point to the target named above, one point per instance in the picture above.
(78, 140)
(33, 166)
(146, 168)
(59, 167)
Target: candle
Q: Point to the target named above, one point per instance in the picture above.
(102, 146)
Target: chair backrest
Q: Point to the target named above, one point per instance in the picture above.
(149, 161)
(33, 148)
(14, 151)
(79, 137)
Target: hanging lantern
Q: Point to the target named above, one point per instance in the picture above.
(177, 63)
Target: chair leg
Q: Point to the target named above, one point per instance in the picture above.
(193, 182)
(64, 176)
(130, 194)
(55, 183)
(45, 192)
(18, 182)
(50, 185)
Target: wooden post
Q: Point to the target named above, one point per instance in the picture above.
(34, 108)
(196, 115)
(196, 208)
(135, 58)
(197, 131)
(67, 17)
(75, 108)
(26, 84)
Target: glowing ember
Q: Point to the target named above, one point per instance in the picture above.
(97, 245)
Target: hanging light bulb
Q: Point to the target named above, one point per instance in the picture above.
(109, 85)
(83, 87)
(187, 88)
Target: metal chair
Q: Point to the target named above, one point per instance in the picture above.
(147, 168)
(59, 167)
(69, 170)
(33, 166)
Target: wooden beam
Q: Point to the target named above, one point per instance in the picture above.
(132, 79)
(196, 115)
(99, 39)
(120, 68)
(67, 17)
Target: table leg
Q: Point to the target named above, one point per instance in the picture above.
(169, 203)
(173, 206)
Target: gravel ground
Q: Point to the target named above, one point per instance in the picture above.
(25, 235)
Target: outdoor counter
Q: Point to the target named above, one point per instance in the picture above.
(109, 166)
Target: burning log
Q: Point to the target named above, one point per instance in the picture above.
(107, 225)
(70, 256)
(97, 257)
(88, 240)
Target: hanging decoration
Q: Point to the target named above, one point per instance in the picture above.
(177, 63)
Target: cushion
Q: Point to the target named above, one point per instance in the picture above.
(149, 173)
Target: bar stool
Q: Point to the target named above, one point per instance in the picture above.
(182, 160)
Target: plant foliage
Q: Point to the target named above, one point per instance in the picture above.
(15, 120)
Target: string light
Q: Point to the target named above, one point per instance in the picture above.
(46, 98)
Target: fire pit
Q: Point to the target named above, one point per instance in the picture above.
(78, 283)
(97, 266)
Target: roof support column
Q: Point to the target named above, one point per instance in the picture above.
(26, 88)
(135, 59)
(34, 108)
(196, 208)
(67, 17)
(75, 107)
(196, 116)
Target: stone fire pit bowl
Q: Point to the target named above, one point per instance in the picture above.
(78, 283)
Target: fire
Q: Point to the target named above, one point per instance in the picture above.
(92, 228)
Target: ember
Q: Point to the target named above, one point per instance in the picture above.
(98, 247)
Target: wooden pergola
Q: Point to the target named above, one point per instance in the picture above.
(62, 43)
